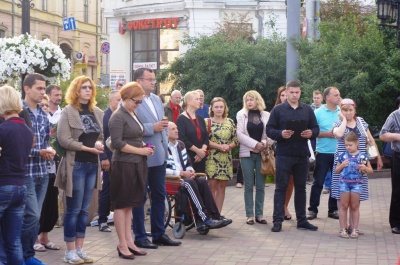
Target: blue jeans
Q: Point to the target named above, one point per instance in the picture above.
(285, 166)
(156, 183)
(251, 176)
(35, 193)
(104, 198)
(84, 178)
(323, 165)
(12, 206)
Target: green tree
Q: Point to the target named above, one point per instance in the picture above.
(355, 56)
(229, 69)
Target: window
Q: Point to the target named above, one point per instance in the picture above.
(44, 5)
(64, 11)
(2, 33)
(86, 11)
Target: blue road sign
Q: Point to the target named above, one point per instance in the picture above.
(105, 47)
(69, 23)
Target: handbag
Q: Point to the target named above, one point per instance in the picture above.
(312, 155)
(268, 162)
(109, 144)
(372, 151)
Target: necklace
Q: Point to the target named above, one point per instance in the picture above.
(196, 125)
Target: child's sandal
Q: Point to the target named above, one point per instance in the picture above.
(354, 234)
(343, 233)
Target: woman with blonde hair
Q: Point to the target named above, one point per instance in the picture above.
(129, 167)
(80, 132)
(193, 132)
(222, 138)
(251, 122)
(16, 142)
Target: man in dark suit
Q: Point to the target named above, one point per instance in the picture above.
(104, 196)
(151, 114)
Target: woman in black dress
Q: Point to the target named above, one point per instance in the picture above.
(193, 132)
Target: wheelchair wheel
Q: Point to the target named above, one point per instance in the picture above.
(179, 230)
(167, 211)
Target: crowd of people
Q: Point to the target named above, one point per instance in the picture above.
(126, 151)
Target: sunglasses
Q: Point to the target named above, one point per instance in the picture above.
(137, 101)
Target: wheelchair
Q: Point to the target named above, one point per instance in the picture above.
(181, 222)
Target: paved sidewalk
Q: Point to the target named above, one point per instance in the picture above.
(240, 243)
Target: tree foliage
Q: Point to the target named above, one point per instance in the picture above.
(229, 69)
(355, 56)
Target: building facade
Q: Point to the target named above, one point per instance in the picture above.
(148, 33)
(81, 46)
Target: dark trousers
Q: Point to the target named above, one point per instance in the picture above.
(156, 183)
(239, 174)
(285, 166)
(104, 198)
(394, 213)
(49, 214)
(323, 165)
(201, 197)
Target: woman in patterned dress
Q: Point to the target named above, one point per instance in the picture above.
(222, 138)
(348, 122)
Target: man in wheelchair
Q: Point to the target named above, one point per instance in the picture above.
(178, 163)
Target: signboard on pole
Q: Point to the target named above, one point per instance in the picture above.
(117, 75)
(69, 23)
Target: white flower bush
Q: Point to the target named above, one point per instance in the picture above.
(24, 55)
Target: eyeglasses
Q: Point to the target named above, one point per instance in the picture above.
(137, 101)
(86, 87)
(44, 105)
(149, 79)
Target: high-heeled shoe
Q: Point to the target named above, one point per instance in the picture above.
(137, 253)
(131, 256)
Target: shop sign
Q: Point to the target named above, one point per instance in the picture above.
(117, 75)
(80, 66)
(92, 60)
(151, 65)
(154, 23)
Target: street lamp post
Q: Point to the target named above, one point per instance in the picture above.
(26, 6)
(389, 13)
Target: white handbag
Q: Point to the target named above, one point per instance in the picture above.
(372, 151)
(312, 156)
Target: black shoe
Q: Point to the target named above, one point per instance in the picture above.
(276, 228)
(307, 226)
(213, 224)
(396, 230)
(145, 244)
(311, 215)
(225, 221)
(334, 215)
(164, 240)
(123, 256)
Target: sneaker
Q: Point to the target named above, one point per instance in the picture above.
(311, 215)
(333, 215)
(72, 258)
(307, 226)
(82, 254)
(239, 185)
(33, 261)
(104, 228)
(213, 224)
(225, 221)
(325, 191)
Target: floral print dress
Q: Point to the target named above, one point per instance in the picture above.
(219, 164)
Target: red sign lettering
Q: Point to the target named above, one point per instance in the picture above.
(154, 23)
